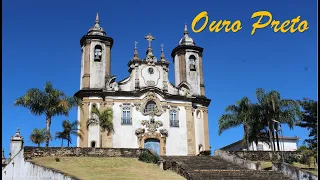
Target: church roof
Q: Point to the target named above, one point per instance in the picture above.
(186, 39)
(97, 29)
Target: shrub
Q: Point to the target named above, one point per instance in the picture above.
(205, 153)
(57, 159)
(148, 157)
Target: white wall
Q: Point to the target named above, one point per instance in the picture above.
(199, 130)
(193, 77)
(288, 144)
(97, 69)
(19, 169)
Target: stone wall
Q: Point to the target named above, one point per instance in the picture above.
(263, 155)
(293, 172)
(226, 155)
(33, 152)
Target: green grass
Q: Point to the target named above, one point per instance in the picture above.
(92, 168)
(268, 164)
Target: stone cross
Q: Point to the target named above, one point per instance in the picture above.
(135, 44)
(149, 38)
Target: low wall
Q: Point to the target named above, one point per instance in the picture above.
(263, 155)
(293, 172)
(226, 155)
(33, 152)
(19, 169)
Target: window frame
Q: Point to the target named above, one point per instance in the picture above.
(174, 122)
(126, 107)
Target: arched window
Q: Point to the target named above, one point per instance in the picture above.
(93, 144)
(97, 53)
(174, 121)
(192, 60)
(150, 107)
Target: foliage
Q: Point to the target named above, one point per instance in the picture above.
(104, 119)
(310, 121)
(257, 118)
(205, 153)
(272, 107)
(69, 128)
(38, 136)
(242, 113)
(50, 102)
(148, 157)
(57, 159)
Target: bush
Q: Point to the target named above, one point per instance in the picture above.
(205, 153)
(57, 159)
(148, 157)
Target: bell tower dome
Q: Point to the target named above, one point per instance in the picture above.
(96, 57)
(187, 59)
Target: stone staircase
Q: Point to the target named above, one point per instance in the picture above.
(209, 167)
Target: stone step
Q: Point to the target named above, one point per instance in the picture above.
(210, 167)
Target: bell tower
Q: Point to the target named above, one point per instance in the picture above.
(187, 59)
(96, 57)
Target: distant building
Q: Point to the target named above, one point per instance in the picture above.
(286, 144)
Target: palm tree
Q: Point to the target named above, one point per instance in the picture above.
(50, 102)
(104, 119)
(62, 136)
(69, 128)
(38, 136)
(239, 114)
(274, 108)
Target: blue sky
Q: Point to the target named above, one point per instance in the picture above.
(41, 43)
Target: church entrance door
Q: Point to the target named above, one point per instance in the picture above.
(153, 144)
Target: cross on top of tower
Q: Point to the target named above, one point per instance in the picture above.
(149, 38)
(135, 44)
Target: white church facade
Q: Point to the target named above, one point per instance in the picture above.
(148, 110)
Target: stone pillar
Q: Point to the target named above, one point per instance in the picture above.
(84, 115)
(182, 66)
(190, 131)
(163, 146)
(206, 130)
(86, 65)
(106, 139)
(202, 92)
(108, 61)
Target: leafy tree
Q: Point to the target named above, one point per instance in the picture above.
(242, 113)
(104, 119)
(274, 108)
(38, 136)
(50, 102)
(69, 128)
(310, 121)
(62, 136)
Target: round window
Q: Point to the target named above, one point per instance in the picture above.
(150, 70)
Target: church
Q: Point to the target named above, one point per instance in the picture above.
(148, 110)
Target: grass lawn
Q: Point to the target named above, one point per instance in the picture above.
(92, 168)
(268, 164)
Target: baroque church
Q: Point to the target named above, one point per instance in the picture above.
(148, 110)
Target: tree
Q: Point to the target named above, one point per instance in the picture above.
(274, 108)
(309, 120)
(69, 128)
(104, 119)
(50, 102)
(242, 113)
(38, 136)
(62, 136)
